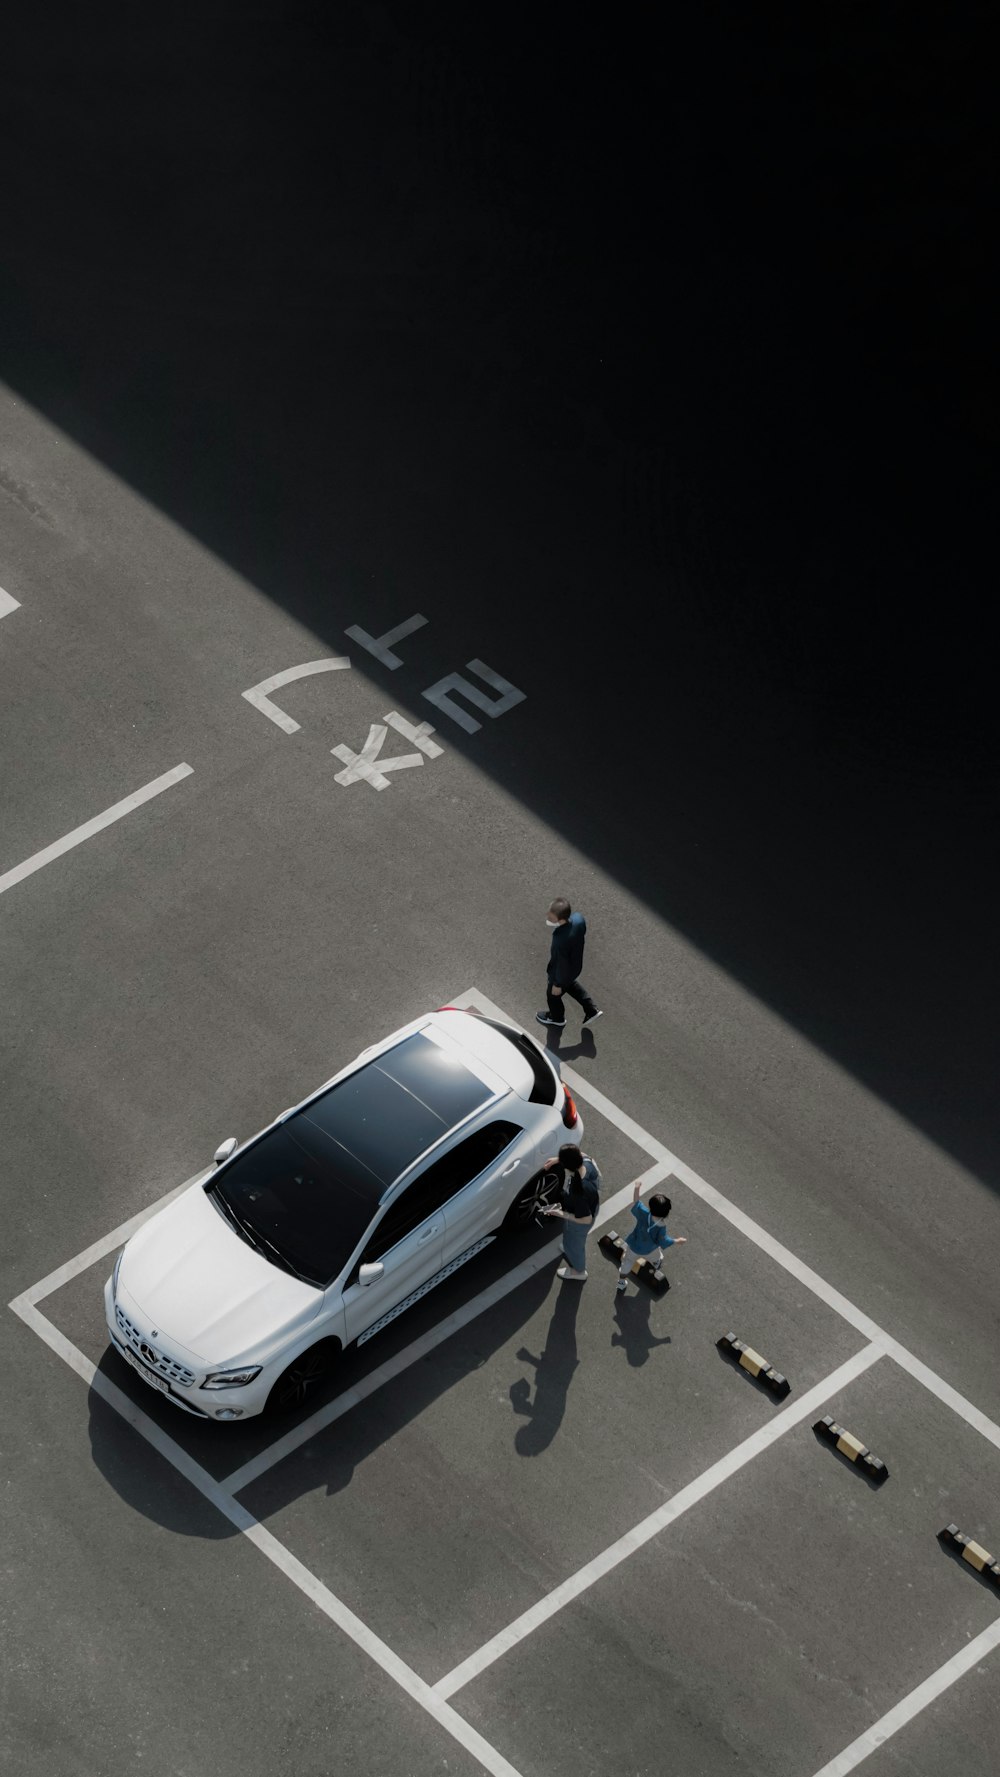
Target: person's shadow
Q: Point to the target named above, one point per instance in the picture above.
(572, 1052)
(635, 1335)
(554, 1370)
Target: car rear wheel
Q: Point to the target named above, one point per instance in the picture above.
(529, 1202)
(302, 1377)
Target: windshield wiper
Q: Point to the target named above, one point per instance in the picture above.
(253, 1237)
(283, 1259)
(235, 1221)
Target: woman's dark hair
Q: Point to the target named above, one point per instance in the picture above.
(560, 909)
(571, 1156)
(658, 1204)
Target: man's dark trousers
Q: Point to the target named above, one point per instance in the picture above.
(556, 1002)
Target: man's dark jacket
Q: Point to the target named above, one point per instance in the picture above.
(566, 958)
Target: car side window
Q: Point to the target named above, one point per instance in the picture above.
(449, 1175)
(442, 1179)
(400, 1219)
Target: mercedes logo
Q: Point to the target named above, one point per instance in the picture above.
(148, 1353)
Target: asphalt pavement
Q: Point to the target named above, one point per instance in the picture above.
(586, 357)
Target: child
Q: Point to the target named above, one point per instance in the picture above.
(648, 1236)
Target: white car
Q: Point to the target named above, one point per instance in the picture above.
(238, 1295)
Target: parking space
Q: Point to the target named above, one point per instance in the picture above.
(793, 1576)
(455, 1498)
(491, 1516)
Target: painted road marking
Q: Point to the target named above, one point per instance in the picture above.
(781, 1255)
(269, 1546)
(89, 828)
(108, 1243)
(381, 646)
(259, 695)
(903, 1712)
(642, 1533)
(7, 604)
(441, 694)
(370, 767)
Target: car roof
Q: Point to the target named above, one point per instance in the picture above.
(383, 1115)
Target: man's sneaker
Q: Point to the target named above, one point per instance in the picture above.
(566, 1272)
(621, 1286)
(543, 1018)
(592, 1017)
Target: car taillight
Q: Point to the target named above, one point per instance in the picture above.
(569, 1115)
(451, 1008)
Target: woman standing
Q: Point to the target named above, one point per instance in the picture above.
(579, 1196)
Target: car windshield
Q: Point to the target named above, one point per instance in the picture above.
(303, 1204)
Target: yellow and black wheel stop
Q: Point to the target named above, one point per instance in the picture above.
(758, 1366)
(977, 1557)
(851, 1447)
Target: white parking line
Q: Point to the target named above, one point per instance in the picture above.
(887, 1725)
(269, 1546)
(753, 1231)
(91, 1254)
(89, 828)
(7, 604)
(665, 1514)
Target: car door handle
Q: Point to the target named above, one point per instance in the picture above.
(509, 1169)
(426, 1235)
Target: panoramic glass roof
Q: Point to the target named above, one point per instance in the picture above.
(401, 1103)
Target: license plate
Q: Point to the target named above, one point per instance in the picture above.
(141, 1370)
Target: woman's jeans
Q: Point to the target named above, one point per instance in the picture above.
(575, 1244)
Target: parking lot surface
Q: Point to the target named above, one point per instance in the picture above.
(437, 474)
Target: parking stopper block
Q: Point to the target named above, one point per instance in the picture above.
(758, 1366)
(851, 1447)
(973, 1553)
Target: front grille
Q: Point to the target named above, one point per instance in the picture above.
(148, 1354)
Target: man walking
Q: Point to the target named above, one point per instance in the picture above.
(568, 930)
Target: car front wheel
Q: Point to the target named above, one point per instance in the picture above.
(529, 1202)
(302, 1378)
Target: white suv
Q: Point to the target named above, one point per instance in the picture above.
(238, 1296)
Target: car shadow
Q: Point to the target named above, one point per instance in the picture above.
(137, 1472)
(132, 1466)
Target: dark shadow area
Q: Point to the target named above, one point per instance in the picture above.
(138, 1473)
(635, 1335)
(332, 1461)
(585, 1045)
(221, 1449)
(554, 1369)
(650, 359)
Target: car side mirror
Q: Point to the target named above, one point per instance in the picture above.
(228, 1148)
(370, 1274)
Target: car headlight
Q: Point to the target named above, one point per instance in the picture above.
(114, 1274)
(232, 1378)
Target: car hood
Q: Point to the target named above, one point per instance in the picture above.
(190, 1276)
